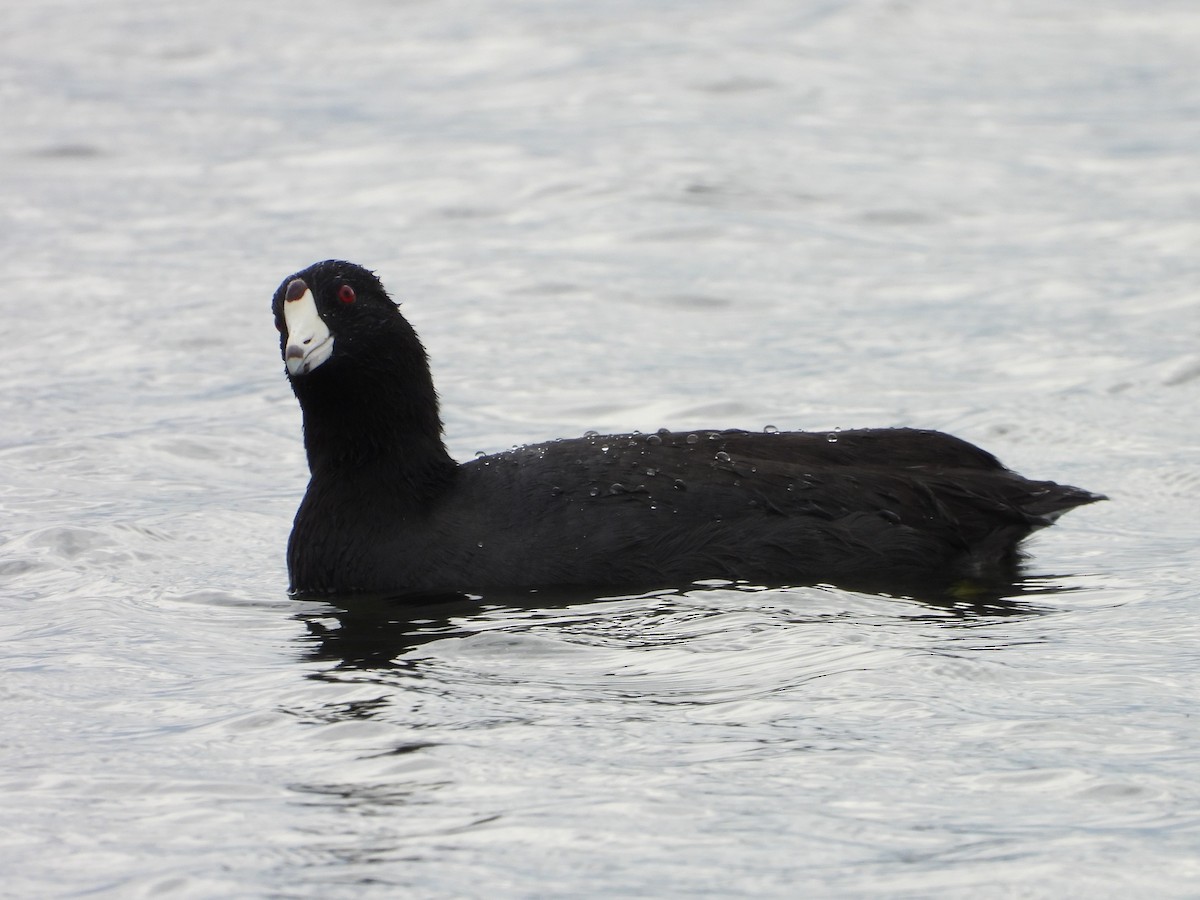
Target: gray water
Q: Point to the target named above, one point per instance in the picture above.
(981, 218)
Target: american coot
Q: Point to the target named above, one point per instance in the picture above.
(388, 510)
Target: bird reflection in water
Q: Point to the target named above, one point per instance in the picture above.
(380, 631)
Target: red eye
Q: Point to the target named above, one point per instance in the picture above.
(346, 294)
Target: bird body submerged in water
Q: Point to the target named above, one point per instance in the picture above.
(388, 510)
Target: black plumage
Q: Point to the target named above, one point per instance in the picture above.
(388, 510)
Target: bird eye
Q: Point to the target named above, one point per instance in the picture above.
(346, 294)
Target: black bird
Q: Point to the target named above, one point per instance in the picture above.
(388, 510)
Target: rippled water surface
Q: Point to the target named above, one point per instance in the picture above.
(616, 216)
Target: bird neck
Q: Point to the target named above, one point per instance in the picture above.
(375, 429)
